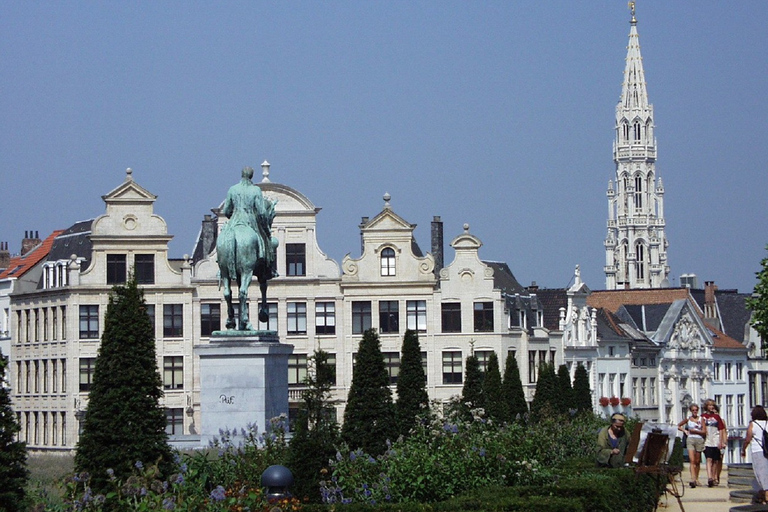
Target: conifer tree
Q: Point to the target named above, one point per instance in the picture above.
(316, 432)
(582, 394)
(512, 387)
(496, 407)
(369, 419)
(545, 400)
(564, 389)
(13, 453)
(472, 392)
(412, 396)
(758, 303)
(124, 422)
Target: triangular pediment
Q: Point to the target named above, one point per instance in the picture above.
(129, 190)
(388, 220)
(683, 329)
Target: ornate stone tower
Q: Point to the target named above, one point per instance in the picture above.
(635, 246)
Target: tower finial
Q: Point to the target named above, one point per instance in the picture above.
(632, 10)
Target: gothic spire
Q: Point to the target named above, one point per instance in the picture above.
(634, 95)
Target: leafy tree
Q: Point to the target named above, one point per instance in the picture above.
(495, 406)
(316, 433)
(13, 453)
(545, 401)
(369, 419)
(512, 389)
(564, 390)
(758, 303)
(124, 422)
(412, 397)
(472, 392)
(582, 394)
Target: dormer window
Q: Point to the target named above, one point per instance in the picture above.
(388, 262)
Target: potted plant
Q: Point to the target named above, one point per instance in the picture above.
(614, 401)
(626, 401)
(604, 401)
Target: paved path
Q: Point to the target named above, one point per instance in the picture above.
(701, 499)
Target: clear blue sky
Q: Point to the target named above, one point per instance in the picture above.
(498, 114)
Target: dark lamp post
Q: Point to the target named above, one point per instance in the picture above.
(277, 479)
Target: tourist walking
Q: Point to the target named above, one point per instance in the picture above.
(693, 427)
(714, 442)
(755, 430)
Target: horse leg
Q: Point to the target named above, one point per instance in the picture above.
(228, 297)
(263, 309)
(245, 283)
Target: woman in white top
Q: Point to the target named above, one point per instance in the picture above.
(693, 427)
(755, 430)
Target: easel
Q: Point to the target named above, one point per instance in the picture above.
(652, 461)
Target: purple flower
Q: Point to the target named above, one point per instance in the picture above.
(168, 503)
(139, 465)
(179, 479)
(352, 456)
(218, 494)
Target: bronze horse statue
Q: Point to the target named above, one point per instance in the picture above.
(246, 247)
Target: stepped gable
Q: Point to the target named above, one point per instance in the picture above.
(20, 265)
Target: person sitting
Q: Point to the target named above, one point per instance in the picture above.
(612, 443)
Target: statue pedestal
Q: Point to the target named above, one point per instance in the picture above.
(243, 380)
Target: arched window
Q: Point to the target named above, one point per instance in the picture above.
(625, 130)
(388, 262)
(638, 192)
(637, 131)
(640, 253)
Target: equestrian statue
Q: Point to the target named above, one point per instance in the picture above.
(246, 247)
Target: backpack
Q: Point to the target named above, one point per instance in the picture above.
(764, 444)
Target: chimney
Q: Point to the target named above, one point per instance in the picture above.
(710, 305)
(31, 240)
(437, 243)
(363, 223)
(534, 287)
(5, 256)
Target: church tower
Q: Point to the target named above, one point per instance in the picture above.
(635, 246)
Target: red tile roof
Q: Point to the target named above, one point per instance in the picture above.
(20, 265)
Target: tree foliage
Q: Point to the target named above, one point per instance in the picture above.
(545, 401)
(13, 453)
(758, 303)
(496, 408)
(412, 397)
(472, 392)
(512, 389)
(564, 389)
(369, 419)
(316, 432)
(582, 394)
(124, 421)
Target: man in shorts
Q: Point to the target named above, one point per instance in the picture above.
(715, 442)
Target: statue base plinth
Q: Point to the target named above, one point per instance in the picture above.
(243, 381)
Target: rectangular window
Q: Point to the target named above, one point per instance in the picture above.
(144, 267)
(325, 318)
(210, 318)
(297, 369)
(55, 428)
(63, 429)
(483, 316)
(37, 377)
(89, 322)
(729, 419)
(54, 376)
(482, 358)
(361, 316)
(452, 367)
(740, 410)
(424, 365)
(173, 372)
(87, 365)
(63, 375)
(644, 391)
(416, 315)
(716, 372)
(271, 323)
(331, 362)
(45, 376)
(173, 320)
(151, 315)
(728, 372)
(116, 268)
(739, 371)
(174, 421)
(295, 260)
(531, 366)
(451, 316)
(54, 324)
(392, 363)
(297, 318)
(389, 319)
